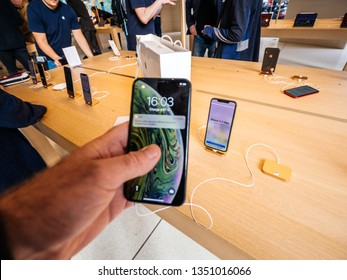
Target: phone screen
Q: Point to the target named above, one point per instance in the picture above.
(219, 124)
(160, 114)
(32, 71)
(300, 91)
(86, 89)
(68, 81)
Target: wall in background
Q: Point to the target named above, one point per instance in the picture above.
(324, 8)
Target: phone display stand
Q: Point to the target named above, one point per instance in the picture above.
(94, 102)
(48, 84)
(215, 151)
(266, 72)
(77, 95)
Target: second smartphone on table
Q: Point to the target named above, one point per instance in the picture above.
(86, 89)
(219, 124)
(68, 81)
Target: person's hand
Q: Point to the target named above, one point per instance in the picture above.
(58, 212)
(57, 62)
(208, 31)
(17, 3)
(192, 30)
(171, 2)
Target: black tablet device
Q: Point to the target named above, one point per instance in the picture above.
(305, 20)
(265, 19)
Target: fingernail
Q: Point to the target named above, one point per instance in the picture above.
(150, 151)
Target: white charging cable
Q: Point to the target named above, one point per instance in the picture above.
(192, 205)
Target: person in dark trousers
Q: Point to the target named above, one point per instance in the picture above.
(12, 42)
(86, 24)
(198, 14)
(238, 30)
(18, 159)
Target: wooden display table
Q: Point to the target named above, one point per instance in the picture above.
(304, 218)
(326, 29)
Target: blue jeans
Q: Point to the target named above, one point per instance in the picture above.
(9, 57)
(199, 47)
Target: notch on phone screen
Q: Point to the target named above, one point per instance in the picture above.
(160, 113)
(219, 124)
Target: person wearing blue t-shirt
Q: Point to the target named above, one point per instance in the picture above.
(141, 15)
(52, 22)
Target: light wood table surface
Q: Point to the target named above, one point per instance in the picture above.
(241, 81)
(305, 218)
(325, 29)
(125, 65)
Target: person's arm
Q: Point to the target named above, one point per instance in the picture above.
(41, 40)
(238, 14)
(58, 212)
(190, 19)
(145, 14)
(82, 42)
(15, 113)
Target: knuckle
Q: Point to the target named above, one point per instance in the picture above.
(132, 160)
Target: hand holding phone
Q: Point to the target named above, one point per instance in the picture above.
(219, 124)
(160, 114)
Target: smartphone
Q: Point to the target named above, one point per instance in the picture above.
(300, 91)
(344, 21)
(270, 60)
(68, 81)
(265, 19)
(86, 89)
(40, 66)
(160, 114)
(219, 124)
(32, 71)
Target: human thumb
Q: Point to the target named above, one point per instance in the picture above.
(135, 164)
